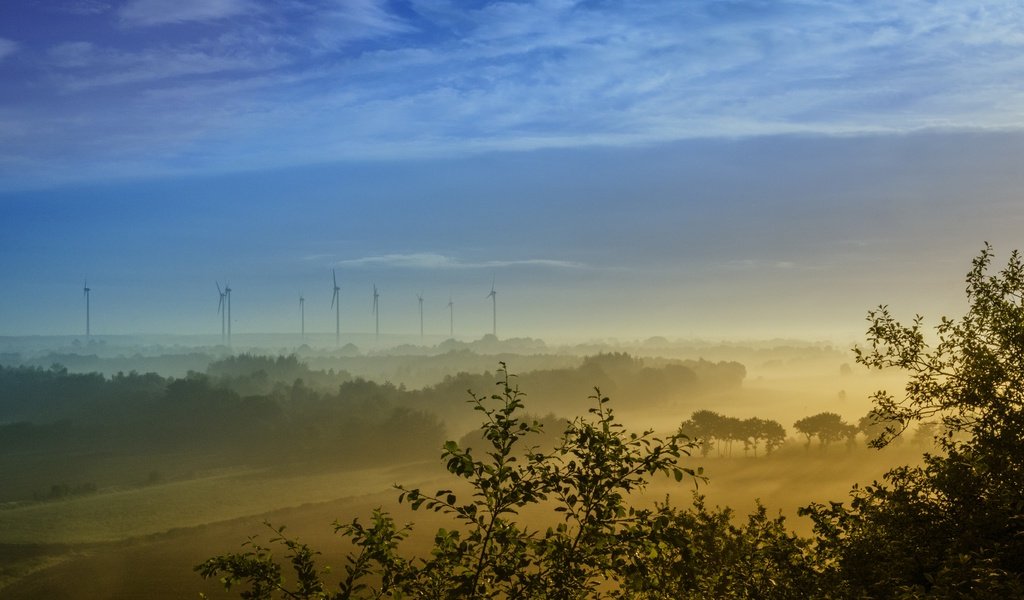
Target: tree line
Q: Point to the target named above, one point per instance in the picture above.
(255, 411)
(712, 431)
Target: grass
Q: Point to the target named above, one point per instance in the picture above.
(121, 514)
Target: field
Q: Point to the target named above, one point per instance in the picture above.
(134, 550)
(181, 522)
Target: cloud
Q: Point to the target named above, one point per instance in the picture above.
(759, 264)
(71, 55)
(143, 13)
(344, 21)
(7, 48)
(428, 260)
(81, 7)
(325, 80)
(83, 65)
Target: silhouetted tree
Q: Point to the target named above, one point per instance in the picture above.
(952, 527)
(828, 427)
(774, 435)
(705, 427)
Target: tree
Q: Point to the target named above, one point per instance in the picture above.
(953, 527)
(878, 428)
(749, 432)
(773, 434)
(806, 426)
(704, 427)
(971, 378)
(828, 427)
(707, 427)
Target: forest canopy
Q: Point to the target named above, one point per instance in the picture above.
(258, 411)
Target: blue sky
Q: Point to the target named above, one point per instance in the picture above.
(724, 169)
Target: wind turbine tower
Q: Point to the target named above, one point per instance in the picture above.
(451, 318)
(227, 295)
(376, 310)
(85, 292)
(222, 313)
(336, 305)
(302, 317)
(419, 297)
(494, 309)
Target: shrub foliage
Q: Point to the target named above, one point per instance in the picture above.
(953, 527)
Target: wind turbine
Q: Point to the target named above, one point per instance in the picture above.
(420, 298)
(451, 317)
(227, 295)
(336, 305)
(376, 310)
(221, 312)
(302, 316)
(494, 308)
(85, 292)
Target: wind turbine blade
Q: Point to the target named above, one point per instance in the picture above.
(334, 275)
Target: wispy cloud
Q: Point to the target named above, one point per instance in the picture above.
(760, 264)
(322, 80)
(160, 12)
(341, 22)
(71, 55)
(81, 7)
(86, 66)
(428, 260)
(7, 47)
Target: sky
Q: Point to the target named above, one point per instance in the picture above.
(710, 169)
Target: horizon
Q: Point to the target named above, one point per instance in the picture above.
(366, 343)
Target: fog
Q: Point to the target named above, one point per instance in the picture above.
(262, 261)
(123, 447)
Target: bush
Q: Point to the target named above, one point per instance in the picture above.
(953, 527)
